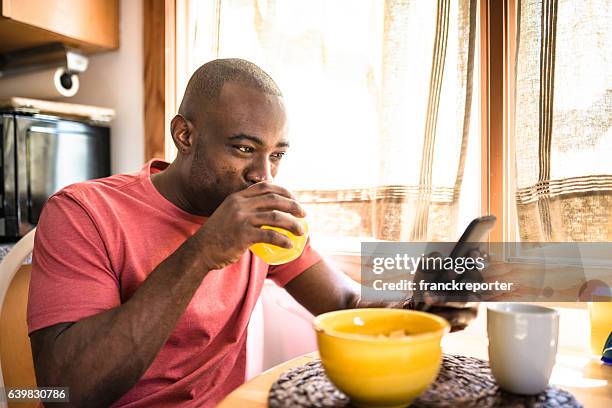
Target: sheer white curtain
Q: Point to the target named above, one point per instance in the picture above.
(563, 120)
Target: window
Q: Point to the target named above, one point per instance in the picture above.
(351, 53)
(550, 174)
(562, 121)
(384, 125)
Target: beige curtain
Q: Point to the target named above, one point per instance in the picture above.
(379, 95)
(425, 100)
(563, 118)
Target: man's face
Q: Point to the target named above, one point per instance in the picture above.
(238, 142)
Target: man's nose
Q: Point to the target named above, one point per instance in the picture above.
(261, 171)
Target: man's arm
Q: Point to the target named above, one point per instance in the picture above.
(322, 288)
(101, 357)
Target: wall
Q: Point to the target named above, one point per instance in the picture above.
(115, 80)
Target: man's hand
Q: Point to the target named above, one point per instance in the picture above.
(459, 308)
(236, 224)
(322, 288)
(459, 315)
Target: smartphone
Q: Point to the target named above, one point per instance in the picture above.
(473, 234)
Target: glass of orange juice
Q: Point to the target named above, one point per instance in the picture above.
(275, 255)
(601, 325)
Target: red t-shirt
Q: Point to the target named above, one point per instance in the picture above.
(98, 241)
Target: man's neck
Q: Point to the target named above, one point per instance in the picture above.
(168, 183)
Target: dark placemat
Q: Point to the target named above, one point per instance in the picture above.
(462, 382)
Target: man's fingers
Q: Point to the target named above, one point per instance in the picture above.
(457, 318)
(275, 218)
(483, 255)
(265, 187)
(268, 236)
(460, 305)
(474, 253)
(273, 201)
(432, 263)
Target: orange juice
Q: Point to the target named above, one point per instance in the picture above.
(275, 255)
(601, 325)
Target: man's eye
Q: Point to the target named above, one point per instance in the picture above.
(278, 155)
(244, 149)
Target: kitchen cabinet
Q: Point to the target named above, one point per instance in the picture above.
(89, 25)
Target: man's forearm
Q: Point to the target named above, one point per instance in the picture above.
(340, 291)
(101, 357)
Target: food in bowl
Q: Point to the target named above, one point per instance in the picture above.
(395, 334)
(380, 357)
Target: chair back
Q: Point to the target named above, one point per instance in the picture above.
(16, 364)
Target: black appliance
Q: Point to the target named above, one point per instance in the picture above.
(39, 155)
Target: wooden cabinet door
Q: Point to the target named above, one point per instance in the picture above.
(91, 24)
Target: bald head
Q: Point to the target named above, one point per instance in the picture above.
(207, 81)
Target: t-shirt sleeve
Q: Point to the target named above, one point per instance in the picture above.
(72, 277)
(283, 274)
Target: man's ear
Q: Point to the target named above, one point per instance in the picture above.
(182, 133)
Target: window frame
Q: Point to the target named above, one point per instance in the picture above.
(498, 28)
(159, 76)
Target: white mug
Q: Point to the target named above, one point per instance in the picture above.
(522, 345)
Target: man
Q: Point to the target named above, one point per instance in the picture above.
(143, 285)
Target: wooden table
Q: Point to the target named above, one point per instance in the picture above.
(576, 370)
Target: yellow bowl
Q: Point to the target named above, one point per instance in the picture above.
(380, 372)
(275, 255)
